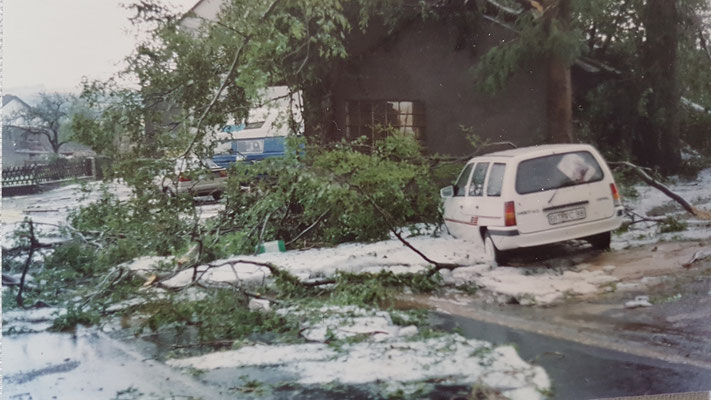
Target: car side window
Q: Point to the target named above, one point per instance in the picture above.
(496, 180)
(477, 186)
(462, 181)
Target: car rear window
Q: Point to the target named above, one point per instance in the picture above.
(556, 171)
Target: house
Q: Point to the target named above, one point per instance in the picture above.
(18, 146)
(418, 78)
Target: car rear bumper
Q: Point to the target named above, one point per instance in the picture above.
(511, 238)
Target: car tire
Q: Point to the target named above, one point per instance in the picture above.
(492, 255)
(601, 241)
(217, 195)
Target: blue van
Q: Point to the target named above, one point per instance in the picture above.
(250, 150)
(264, 133)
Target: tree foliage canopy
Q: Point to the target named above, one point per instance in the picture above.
(617, 107)
(50, 118)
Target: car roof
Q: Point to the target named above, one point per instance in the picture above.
(535, 151)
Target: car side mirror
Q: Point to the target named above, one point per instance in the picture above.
(446, 192)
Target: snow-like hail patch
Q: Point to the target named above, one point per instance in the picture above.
(544, 287)
(450, 358)
(29, 320)
(387, 353)
(51, 209)
(388, 255)
(697, 193)
(339, 323)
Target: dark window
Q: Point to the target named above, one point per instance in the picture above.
(250, 146)
(477, 186)
(556, 171)
(367, 118)
(496, 180)
(254, 125)
(462, 180)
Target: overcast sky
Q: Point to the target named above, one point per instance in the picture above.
(53, 43)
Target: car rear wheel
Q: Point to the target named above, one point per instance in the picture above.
(601, 241)
(491, 253)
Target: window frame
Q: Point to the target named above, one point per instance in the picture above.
(501, 182)
(363, 115)
(462, 192)
(599, 168)
(484, 176)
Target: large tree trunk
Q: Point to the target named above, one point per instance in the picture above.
(661, 142)
(559, 99)
(559, 93)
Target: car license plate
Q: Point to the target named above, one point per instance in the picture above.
(565, 216)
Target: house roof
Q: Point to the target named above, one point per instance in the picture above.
(192, 9)
(201, 10)
(8, 98)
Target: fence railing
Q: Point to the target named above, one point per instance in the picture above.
(35, 174)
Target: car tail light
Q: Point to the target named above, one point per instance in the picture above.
(615, 194)
(223, 173)
(509, 213)
(183, 178)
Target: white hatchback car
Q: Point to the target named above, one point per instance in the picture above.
(533, 196)
(196, 177)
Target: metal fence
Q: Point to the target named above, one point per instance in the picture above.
(34, 174)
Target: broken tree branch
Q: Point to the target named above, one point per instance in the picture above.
(309, 228)
(34, 245)
(261, 233)
(233, 67)
(273, 269)
(654, 183)
(388, 221)
(18, 298)
(636, 218)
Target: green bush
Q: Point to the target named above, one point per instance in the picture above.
(378, 289)
(222, 315)
(341, 189)
(75, 259)
(73, 317)
(148, 223)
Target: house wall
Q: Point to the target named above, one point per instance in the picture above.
(14, 141)
(19, 148)
(421, 63)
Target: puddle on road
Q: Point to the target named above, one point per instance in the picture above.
(85, 365)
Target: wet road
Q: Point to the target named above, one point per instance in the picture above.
(87, 365)
(91, 365)
(580, 371)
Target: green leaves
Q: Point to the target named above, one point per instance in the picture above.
(328, 187)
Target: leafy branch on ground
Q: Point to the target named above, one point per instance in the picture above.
(377, 189)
